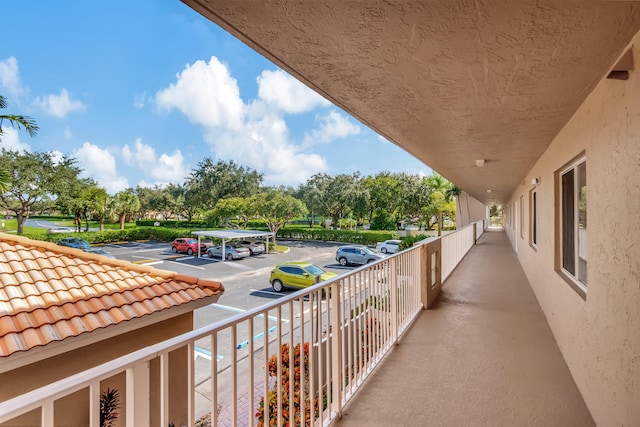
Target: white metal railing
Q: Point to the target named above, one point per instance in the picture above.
(339, 331)
(456, 245)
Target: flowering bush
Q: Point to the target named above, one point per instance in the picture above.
(290, 414)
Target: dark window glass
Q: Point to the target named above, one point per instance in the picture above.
(568, 221)
(534, 221)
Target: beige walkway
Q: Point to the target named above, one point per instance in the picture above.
(483, 356)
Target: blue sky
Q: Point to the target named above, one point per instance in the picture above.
(139, 92)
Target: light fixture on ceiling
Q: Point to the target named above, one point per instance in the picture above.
(489, 191)
(480, 163)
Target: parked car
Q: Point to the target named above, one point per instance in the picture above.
(254, 247)
(188, 245)
(297, 274)
(357, 254)
(74, 242)
(57, 230)
(388, 246)
(99, 251)
(230, 252)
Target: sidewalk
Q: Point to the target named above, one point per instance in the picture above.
(483, 356)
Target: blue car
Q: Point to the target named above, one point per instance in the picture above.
(74, 242)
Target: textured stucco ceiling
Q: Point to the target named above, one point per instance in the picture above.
(449, 81)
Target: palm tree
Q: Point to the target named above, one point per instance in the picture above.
(19, 122)
(125, 204)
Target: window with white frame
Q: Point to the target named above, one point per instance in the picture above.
(522, 217)
(533, 218)
(571, 260)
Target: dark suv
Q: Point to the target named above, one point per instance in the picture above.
(357, 254)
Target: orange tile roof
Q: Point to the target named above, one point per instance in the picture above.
(50, 292)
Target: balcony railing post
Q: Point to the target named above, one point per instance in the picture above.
(424, 275)
(94, 404)
(47, 414)
(137, 388)
(393, 270)
(337, 370)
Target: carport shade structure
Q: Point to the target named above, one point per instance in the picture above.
(232, 234)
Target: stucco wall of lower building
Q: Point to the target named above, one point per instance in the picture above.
(69, 411)
(599, 336)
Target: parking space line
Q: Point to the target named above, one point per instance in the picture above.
(255, 338)
(185, 265)
(241, 310)
(177, 257)
(199, 351)
(148, 263)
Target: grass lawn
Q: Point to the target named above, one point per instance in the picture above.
(11, 225)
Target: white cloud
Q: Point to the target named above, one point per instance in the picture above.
(253, 135)
(164, 168)
(332, 126)
(206, 94)
(263, 145)
(67, 133)
(284, 92)
(59, 105)
(10, 140)
(100, 165)
(10, 77)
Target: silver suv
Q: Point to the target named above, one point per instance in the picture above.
(357, 254)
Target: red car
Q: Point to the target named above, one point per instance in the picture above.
(188, 245)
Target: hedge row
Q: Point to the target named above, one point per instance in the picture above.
(344, 236)
(172, 224)
(131, 234)
(168, 234)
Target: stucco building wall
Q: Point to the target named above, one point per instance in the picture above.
(69, 410)
(599, 336)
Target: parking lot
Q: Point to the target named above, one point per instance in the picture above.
(246, 281)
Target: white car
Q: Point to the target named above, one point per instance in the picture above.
(54, 230)
(388, 246)
(230, 252)
(254, 247)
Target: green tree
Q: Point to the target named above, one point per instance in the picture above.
(35, 181)
(18, 122)
(384, 195)
(69, 194)
(124, 204)
(439, 204)
(97, 201)
(93, 200)
(335, 195)
(310, 196)
(276, 209)
(414, 192)
(234, 208)
(211, 181)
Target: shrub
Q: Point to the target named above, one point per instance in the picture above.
(106, 236)
(109, 405)
(408, 242)
(290, 415)
(364, 237)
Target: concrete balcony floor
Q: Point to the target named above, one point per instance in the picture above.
(482, 356)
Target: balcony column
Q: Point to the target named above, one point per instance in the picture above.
(430, 270)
